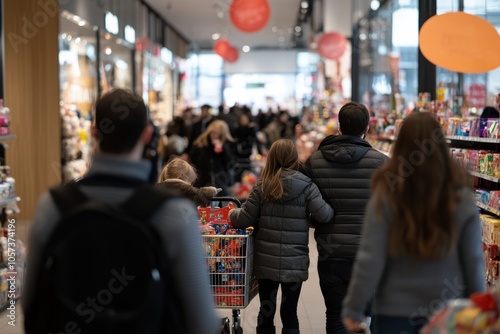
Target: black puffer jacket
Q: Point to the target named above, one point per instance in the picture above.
(282, 227)
(342, 168)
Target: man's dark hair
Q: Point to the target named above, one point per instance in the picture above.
(120, 119)
(353, 119)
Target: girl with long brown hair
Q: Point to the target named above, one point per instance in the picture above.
(421, 242)
(281, 206)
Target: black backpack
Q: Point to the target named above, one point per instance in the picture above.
(103, 268)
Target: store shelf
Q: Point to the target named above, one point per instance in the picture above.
(485, 177)
(7, 137)
(475, 139)
(488, 208)
(4, 203)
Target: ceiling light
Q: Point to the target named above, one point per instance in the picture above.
(275, 29)
(245, 48)
(216, 36)
(304, 4)
(362, 37)
(108, 51)
(63, 36)
(375, 4)
(77, 40)
(298, 28)
(69, 37)
(81, 23)
(107, 36)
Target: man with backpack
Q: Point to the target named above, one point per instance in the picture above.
(111, 253)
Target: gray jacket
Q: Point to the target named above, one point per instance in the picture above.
(176, 224)
(415, 289)
(342, 169)
(282, 227)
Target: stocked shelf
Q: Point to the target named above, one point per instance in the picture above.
(475, 139)
(485, 177)
(488, 208)
(7, 137)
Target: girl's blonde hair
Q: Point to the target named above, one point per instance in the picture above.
(176, 168)
(282, 156)
(218, 126)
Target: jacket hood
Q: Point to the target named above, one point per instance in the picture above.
(344, 149)
(294, 183)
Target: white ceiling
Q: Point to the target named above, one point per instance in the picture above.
(197, 20)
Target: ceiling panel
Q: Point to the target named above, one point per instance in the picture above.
(197, 20)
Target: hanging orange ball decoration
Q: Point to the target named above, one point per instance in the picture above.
(249, 15)
(332, 45)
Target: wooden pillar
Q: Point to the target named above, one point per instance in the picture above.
(32, 93)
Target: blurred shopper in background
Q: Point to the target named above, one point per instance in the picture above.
(342, 168)
(211, 155)
(200, 126)
(246, 141)
(421, 238)
(278, 128)
(280, 207)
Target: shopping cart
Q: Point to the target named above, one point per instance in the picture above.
(230, 265)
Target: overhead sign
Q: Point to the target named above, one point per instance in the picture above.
(111, 23)
(129, 33)
(460, 42)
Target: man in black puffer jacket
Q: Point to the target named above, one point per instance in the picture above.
(342, 168)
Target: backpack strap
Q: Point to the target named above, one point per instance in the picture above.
(145, 201)
(110, 180)
(67, 197)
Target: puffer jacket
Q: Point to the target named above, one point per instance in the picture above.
(342, 169)
(282, 227)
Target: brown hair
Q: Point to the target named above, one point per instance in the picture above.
(176, 168)
(120, 118)
(282, 156)
(420, 182)
(217, 125)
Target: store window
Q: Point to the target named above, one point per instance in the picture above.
(308, 84)
(473, 91)
(116, 63)
(78, 90)
(210, 79)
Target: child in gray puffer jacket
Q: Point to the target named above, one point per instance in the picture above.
(281, 207)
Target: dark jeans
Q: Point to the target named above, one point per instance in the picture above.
(398, 325)
(334, 276)
(288, 309)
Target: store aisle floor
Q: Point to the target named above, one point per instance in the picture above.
(311, 308)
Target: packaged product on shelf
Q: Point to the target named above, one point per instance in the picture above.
(494, 199)
(482, 196)
(3, 286)
(492, 128)
(490, 230)
(496, 165)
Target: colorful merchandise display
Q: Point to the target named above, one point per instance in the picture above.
(229, 255)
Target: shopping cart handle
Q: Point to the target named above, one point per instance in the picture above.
(227, 199)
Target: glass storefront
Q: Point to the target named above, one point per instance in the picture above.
(78, 91)
(388, 58)
(116, 63)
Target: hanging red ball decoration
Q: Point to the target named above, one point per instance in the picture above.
(332, 45)
(222, 47)
(249, 15)
(232, 55)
